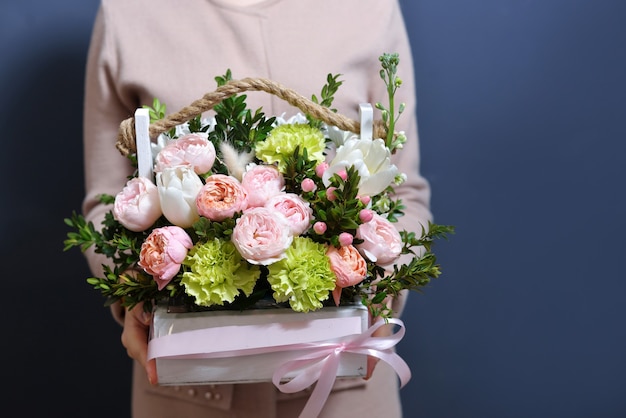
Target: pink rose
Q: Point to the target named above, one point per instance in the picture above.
(262, 236)
(349, 267)
(163, 252)
(137, 206)
(262, 182)
(295, 209)
(382, 243)
(221, 197)
(193, 150)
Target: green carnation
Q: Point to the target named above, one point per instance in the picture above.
(217, 273)
(283, 140)
(304, 277)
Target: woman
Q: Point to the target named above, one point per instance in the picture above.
(145, 49)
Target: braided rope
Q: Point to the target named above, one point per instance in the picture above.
(126, 134)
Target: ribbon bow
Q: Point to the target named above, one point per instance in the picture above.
(318, 363)
(321, 365)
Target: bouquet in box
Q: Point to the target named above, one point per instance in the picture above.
(244, 210)
(248, 208)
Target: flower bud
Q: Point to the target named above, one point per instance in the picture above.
(345, 239)
(319, 170)
(308, 185)
(365, 199)
(319, 227)
(366, 215)
(330, 194)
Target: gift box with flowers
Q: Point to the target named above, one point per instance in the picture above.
(262, 245)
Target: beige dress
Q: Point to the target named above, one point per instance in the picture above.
(172, 50)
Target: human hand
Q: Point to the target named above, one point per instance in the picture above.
(383, 331)
(135, 339)
(371, 360)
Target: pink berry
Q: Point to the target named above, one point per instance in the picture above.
(330, 193)
(319, 227)
(319, 170)
(345, 239)
(366, 215)
(308, 185)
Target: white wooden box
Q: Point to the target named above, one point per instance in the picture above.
(247, 346)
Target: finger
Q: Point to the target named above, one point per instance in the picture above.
(135, 334)
(371, 364)
(373, 361)
(152, 372)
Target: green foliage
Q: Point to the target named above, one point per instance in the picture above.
(207, 230)
(340, 209)
(297, 168)
(123, 282)
(158, 111)
(415, 275)
(389, 74)
(236, 124)
(327, 97)
(386, 203)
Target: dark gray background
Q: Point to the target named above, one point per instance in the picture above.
(522, 130)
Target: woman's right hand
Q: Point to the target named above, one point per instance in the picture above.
(135, 339)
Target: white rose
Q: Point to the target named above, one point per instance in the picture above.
(178, 187)
(372, 160)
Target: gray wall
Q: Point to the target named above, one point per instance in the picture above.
(521, 123)
(62, 351)
(521, 112)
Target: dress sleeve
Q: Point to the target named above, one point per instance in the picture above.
(105, 169)
(415, 192)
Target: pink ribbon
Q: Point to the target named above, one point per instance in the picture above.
(319, 363)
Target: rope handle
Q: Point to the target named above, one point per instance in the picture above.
(126, 140)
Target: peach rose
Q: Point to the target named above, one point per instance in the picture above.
(349, 267)
(296, 210)
(163, 252)
(137, 206)
(262, 236)
(221, 197)
(193, 150)
(261, 183)
(382, 243)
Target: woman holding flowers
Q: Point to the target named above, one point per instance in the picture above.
(171, 50)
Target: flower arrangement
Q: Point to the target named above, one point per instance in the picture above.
(247, 210)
